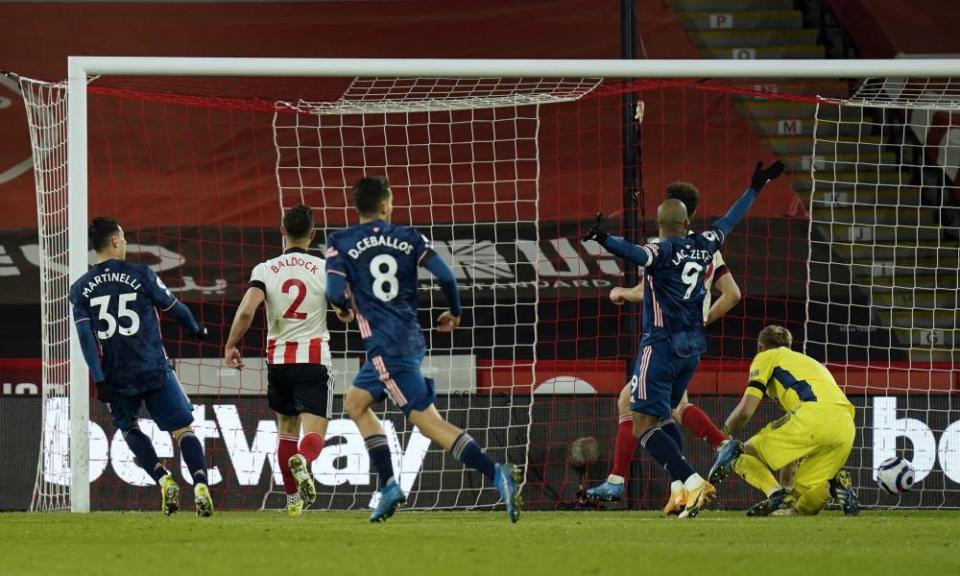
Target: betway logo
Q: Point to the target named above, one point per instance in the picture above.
(343, 460)
(887, 428)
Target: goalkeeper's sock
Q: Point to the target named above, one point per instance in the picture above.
(812, 501)
(696, 420)
(286, 449)
(141, 446)
(310, 446)
(665, 451)
(673, 431)
(756, 474)
(379, 450)
(626, 445)
(192, 452)
(466, 450)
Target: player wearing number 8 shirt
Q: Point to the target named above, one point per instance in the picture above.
(299, 383)
(372, 274)
(115, 307)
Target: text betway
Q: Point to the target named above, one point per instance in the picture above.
(344, 460)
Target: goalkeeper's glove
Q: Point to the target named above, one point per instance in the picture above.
(597, 233)
(763, 175)
(200, 334)
(105, 392)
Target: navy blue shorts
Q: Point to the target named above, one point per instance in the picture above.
(168, 406)
(400, 378)
(660, 377)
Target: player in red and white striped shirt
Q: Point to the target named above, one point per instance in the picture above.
(300, 385)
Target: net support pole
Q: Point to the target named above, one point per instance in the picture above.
(77, 218)
(631, 176)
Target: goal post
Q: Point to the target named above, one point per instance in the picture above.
(82, 69)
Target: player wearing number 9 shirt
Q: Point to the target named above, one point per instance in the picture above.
(115, 307)
(372, 275)
(673, 337)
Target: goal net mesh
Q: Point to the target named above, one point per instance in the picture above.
(884, 275)
(505, 176)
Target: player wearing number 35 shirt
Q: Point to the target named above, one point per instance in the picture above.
(115, 308)
(299, 383)
(372, 275)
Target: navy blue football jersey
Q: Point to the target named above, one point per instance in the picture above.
(675, 285)
(120, 300)
(380, 261)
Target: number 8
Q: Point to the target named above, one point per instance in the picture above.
(388, 277)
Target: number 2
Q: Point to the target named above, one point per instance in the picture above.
(690, 276)
(292, 313)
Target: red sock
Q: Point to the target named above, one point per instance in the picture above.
(286, 449)
(696, 420)
(311, 445)
(625, 447)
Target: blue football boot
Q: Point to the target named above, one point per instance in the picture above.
(606, 492)
(390, 498)
(729, 451)
(506, 477)
(779, 500)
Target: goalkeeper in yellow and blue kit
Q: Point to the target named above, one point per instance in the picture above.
(817, 431)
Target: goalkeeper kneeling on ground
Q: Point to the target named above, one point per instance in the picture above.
(817, 430)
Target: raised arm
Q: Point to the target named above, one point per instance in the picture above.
(645, 255)
(739, 209)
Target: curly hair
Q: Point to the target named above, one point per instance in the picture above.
(686, 193)
(298, 221)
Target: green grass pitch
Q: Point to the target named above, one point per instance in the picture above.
(465, 543)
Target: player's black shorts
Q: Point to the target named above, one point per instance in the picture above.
(296, 388)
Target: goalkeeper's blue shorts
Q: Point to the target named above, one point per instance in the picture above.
(660, 378)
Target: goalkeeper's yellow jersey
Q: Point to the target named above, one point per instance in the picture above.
(792, 378)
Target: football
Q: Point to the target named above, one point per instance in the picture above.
(895, 475)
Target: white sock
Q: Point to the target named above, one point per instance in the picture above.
(614, 479)
(693, 482)
(676, 486)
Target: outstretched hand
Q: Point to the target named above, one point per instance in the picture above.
(597, 233)
(763, 175)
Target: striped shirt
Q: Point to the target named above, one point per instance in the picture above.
(294, 284)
